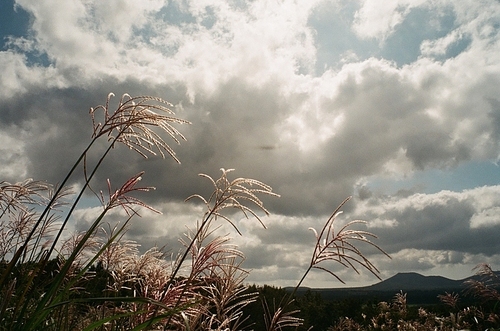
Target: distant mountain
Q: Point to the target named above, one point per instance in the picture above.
(408, 281)
(420, 289)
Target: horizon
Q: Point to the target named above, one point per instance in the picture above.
(380, 281)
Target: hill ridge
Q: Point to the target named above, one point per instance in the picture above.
(404, 281)
(420, 289)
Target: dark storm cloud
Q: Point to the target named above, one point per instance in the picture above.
(443, 221)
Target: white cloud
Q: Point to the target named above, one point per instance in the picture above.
(60, 29)
(486, 218)
(440, 46)
(120, 38)
(377, 19)
(12, 156)
(18, 77)
(119, 18)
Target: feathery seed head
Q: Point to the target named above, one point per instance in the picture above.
(133, 123)
(338, 246)
(121, 198)
(234, 194)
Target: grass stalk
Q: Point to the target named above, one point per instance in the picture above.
(129, 124)
(48, 207)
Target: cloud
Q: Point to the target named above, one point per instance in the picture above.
(440, 47)
(442, 221)
(12, 155)
(18, 78)
(376, 20)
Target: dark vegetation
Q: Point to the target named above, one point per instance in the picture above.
(322, 309)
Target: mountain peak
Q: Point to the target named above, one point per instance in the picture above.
(405, 281)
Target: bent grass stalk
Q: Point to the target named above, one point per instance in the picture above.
(331, 246)
(338, 247)
(132, 124)
(226, 194)
(116, 199)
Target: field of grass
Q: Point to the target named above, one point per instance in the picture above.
(97, 280)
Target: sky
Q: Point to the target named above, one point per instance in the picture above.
(395, 103)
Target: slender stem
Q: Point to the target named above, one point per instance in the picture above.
(60, 187)
(188, 249)
(217, 204)
(311, 264)
(82, 191)
(186, 252)
(21, 249)
(41, 310)
(176, 270)
(80, 246)
(300, 282)
(332, 217)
